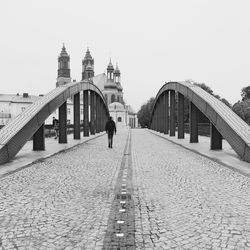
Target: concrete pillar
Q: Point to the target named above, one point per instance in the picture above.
(193, 123)
(77, 116)
(92, 113)
(63, 123)
(180, 116)
(86, 112)
(215, 138)
(39, 139)
(172, 113)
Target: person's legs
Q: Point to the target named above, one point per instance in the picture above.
(109, 140)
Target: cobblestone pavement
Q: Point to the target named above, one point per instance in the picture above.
(186, 201)
(155, 194)
(62, 202)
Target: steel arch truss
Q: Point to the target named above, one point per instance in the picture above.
(224, 122)
(29, 123)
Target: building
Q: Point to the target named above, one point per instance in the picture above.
(13, 105)
(109, 84)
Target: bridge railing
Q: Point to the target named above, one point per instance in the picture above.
(224, 122)
(30, 122)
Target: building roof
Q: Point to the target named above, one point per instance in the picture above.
(18, 98)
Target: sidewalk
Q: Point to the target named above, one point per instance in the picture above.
(227, 156)
(27, 156)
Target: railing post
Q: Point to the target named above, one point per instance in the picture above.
(63, 123)
(215, 138)
(180, 116)
(172, 113)
(193, 123)
(86, 112)
(77, 133)
(39, 139)
(92, 113)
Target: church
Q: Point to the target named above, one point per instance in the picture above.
(109, 84)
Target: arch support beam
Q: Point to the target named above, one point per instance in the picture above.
(180, 116)
(172, 113)
(193, 123)
(215, 138)
(77, 134)
(92, 113)
(63, 123)
(86, 113)
(39, 139)
(166, 112)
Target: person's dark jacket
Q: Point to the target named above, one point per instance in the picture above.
(110, 127)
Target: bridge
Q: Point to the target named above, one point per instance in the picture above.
(145, 193)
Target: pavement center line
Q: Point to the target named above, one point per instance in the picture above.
(120, 232)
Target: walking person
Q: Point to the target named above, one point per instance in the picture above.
(110, 130)
(55, 124)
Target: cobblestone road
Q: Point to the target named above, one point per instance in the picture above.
(63, 202)
(180, 200)
(185, 201)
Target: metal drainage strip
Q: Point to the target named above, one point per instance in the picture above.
(121, 224)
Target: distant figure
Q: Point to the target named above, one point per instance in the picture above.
(110, 130)
(55, 124)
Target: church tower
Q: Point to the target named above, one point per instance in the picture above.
(63, 72)
(110, 71)
(87, 66)
(117, 78)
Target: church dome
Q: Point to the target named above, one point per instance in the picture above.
(116, 106)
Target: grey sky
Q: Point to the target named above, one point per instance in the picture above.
(152, 41)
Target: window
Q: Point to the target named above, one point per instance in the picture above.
(81, 111)
(68, 122)
(112, 98)
(22, 108)
(68, 111)
(119, 119)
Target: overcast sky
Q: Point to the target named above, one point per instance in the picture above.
(152, 41)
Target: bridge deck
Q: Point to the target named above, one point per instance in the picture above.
(146, 193)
